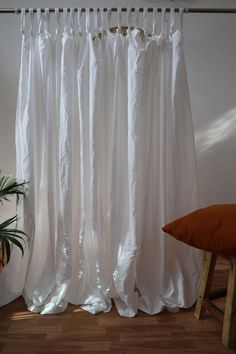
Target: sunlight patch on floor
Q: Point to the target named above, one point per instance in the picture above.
(78, 310)
(26, 315)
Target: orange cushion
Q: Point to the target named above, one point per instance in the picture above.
(211, 229)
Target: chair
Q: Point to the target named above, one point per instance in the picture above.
(206, 295)
(212, 229)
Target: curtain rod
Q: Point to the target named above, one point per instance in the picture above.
(124, 9)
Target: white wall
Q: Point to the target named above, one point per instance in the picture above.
(210, 51)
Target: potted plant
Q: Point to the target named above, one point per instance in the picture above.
(9, 235)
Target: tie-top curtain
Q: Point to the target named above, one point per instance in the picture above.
(105, 139)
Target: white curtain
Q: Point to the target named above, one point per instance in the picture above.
(105, 139)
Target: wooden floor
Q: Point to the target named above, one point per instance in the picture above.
(77, 331)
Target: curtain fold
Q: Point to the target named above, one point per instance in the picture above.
(104, 137)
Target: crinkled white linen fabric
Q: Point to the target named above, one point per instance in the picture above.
(104, 137)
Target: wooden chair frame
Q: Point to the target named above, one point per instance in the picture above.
(206, 295)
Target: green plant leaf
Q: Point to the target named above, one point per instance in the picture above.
(5, 244)
(9, 186)
(10, 235)
(18, 232)
(16, 242)
(8, 250)
(17, 237)
(2, 247)
(7, 222)
(6, 232)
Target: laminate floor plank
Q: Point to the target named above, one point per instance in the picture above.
(77, 331)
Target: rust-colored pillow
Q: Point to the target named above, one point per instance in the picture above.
(211, 229)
